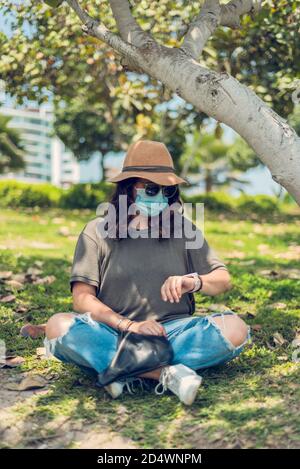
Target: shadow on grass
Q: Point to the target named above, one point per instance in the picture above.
(225, 404)
(41, 301)
(235, 401)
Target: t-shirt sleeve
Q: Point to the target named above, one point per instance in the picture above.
(85, 266)
(205, 259)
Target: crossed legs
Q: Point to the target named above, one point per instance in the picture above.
(232, 328)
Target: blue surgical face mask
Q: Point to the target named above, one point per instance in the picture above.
(150, 205)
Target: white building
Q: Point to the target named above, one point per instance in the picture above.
(47, 159)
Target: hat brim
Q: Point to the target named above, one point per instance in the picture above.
(163, 179)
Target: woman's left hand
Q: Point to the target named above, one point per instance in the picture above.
(175, 286)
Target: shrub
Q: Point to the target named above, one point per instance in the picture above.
(215, 201)
(258, 204)
(86, 195)
(288, 199)
(20, 194)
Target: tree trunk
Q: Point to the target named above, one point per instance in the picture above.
(102, 160)
(208, 181)
(219, 95)
(222, 97)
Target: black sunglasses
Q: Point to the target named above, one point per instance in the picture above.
(153, 189)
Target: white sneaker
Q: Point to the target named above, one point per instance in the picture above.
(116, 388)
(181, 380)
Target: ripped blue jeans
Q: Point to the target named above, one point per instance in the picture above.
(197, 342)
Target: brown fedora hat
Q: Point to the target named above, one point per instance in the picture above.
(149, 160)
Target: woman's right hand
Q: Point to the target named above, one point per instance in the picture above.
(149, 327)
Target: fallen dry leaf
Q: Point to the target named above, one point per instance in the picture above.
(283, 358)
(256, 327)
(14, 284)
(292, 252)
(41, 353)
(12, 362)
(277, 305)
(41, 245)
(269, 273)
(5, 275)
(30, 382)
(45, 280)
(250, 262)
(293, 274)
(33, 272)
(19, 278)
(64, 231)
(58, 220)
(7, 299)
(235, 255)
(121, 410)
(278, 339)
(296, 341)
(53, 375)
(33, 331)
(238, 242)
(21, 309)
(264, 248)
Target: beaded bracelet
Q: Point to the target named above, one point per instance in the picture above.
(122, 319)
(118, 325)
(128, 325)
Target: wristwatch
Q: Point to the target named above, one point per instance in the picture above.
(198, 281)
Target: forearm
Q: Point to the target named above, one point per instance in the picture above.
(99, 311)
(216, 282)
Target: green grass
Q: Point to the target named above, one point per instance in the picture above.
(252, 402)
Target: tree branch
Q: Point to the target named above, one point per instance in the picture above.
(202, 28)
(231, 13)
(128, 27)
(212, 15)
(94, 28)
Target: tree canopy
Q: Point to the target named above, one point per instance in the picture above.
(11, 147)
(47, 53)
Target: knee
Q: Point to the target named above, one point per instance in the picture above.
(58, 325)
(235, 330)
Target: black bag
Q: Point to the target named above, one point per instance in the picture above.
(137, 354)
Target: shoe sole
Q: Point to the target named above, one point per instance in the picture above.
(111, 393)
(193, 390)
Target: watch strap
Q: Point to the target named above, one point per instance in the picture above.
(198, 281)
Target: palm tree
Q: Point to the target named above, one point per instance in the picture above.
(208, 160)
(11, 149)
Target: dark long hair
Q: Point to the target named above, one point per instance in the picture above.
(125, 187)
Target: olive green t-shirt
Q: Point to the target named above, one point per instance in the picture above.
(128, 274)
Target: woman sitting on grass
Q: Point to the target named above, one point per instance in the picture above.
(142, 283)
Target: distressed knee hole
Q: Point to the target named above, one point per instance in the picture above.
(58, 325)
(233, 328)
